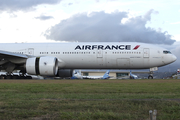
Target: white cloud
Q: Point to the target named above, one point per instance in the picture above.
(105, 27)
(14, 20)
(15, 5)
(176, 37)
(25, 27)
(44, 17)
(175, 23)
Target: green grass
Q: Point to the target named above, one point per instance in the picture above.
(89, 99)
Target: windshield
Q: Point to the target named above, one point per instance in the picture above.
(166, 52)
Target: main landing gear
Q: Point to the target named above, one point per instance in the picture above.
(15, 76)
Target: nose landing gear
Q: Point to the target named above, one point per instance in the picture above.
(150, 75)
(151, 71)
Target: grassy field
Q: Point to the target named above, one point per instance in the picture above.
(89, 99)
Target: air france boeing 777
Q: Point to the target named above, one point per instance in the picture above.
(59, 59)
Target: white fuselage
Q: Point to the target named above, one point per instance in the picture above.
(97, 55)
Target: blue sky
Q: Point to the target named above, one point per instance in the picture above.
(28, 21)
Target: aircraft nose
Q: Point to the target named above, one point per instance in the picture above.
(174, 58)
(169, 59)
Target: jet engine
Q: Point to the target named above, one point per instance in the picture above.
(45, 66)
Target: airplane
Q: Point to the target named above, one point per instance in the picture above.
(132, 76)
(59, 59)
(105, 76)
(77, 75)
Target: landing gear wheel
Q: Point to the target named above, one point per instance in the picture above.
(150, 77)
(15, 77)
(2, 77)
(8, 77)
(28, 77)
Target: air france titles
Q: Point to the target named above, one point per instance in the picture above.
(102, 47)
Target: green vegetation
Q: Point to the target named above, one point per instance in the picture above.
(89, 99)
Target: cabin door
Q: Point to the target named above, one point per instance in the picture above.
(100, 60)
(31, 51)
(146, 57)
(146, 53)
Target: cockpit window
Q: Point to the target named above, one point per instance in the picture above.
(166, 52)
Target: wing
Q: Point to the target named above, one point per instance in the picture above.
(12, 57)
(6, 54)
(9, 61)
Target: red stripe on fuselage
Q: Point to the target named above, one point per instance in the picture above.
(137, 46)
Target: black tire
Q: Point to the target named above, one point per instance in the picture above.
(8, 77)
(150, 77)
(2, 77)
(15, 77)
(28, 77)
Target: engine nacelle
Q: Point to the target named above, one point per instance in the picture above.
(65, 73)
(45, 66)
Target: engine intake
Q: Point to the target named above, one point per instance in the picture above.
(45, 66)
